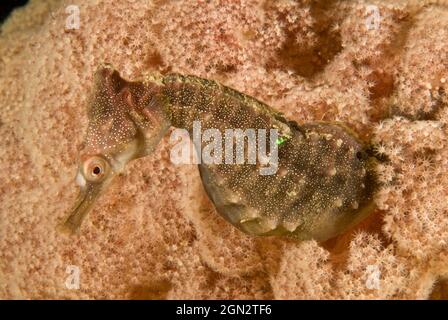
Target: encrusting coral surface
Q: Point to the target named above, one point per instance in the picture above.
(154, 234)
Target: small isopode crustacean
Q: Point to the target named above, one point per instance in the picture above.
(324, 180)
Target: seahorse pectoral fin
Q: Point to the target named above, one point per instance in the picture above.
(86, 198)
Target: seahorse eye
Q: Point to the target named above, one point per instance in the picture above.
(95, 169)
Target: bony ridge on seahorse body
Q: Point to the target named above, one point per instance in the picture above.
(324, 182)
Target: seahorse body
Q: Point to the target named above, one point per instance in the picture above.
(324, 181)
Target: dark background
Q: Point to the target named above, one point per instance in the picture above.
(6, 6)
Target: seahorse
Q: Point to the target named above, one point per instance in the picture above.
(324, 180)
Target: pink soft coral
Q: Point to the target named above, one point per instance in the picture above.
(153, 235)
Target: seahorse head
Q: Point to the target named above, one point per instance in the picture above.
(123, 125)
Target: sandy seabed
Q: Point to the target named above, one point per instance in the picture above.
(154, 233)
